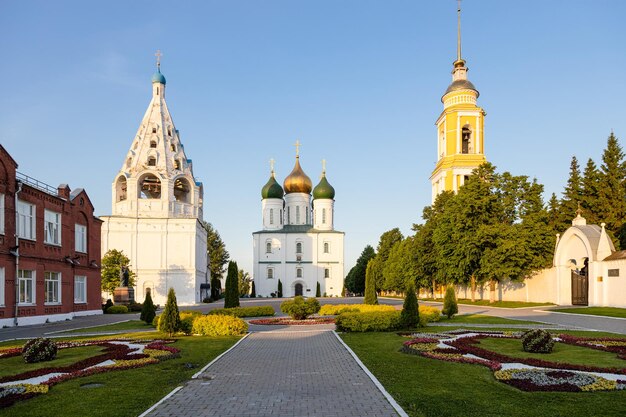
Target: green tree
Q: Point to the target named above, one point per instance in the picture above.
(450, 306)
(169, 321)
(385, 244)
(253, 292)
(572, 195)
(370, 285)
(318, 290)
(355, 280)
(244, 281)
(112, 260)
(399, 268)
(279, 292)
(231, 297)
(218, 258)
(148, 310)
(591, 192)
(611, 192)
(554, 216)
(409, 317)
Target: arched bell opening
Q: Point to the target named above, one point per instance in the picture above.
(182, 190)
(121, 189)
(149, 187)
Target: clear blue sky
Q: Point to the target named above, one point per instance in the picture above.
(359, 82)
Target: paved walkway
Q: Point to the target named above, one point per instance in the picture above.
(281, 373)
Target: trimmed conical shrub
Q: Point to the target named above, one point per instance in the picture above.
(231, 298)
(450, 306)
(279, 293)
(410, 316)
(169, 321)
(253, 293)
(148, 311)
(370, 286)
(318, 291)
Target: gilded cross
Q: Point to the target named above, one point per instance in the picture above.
(158, 57)
(323, 166)
(298, 144)
(272, 165)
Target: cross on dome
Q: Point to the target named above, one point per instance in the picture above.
(158, 58)
(297, 145)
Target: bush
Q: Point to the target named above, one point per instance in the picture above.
(410, 317)
(135, 307)
(428, 314)
(253, 291)
(377, 321)
(245, 311)
(39, 350)
(370, 285)
(299, 309)
(186, 320)
(170, 319)
(148, 310)
(450, 307)
(106, 306)
(279, 292)
(537, 341)
(155, 321)
(231, 295)
(334, 309)
(219, 325)
(117, 310)
(318, 291)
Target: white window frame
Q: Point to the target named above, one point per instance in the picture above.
(299, 248)
(323, 216)
(1, 214)
(268, 247)
(52, 228)
(80, 238)
(2, 283)
(270, 273)
(26, 220)
(80, 287)
(298, 272)
(52, 286)
(22, 280)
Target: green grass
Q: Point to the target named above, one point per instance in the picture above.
(128, 392)
(483, 319)
(125, 325)
(596, 311)
(16, 365)
(428, 387)
(562, 353)
(486, 303)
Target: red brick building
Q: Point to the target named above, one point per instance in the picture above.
(49, 250)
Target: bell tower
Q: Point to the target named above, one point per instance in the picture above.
(460, 129)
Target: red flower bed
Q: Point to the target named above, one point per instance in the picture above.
(597, 343)
(290, 322)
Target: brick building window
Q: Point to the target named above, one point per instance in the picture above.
(1, 286)
(26, 220)
(26, 286)
(52, 227)
(80, 289)
(1, 215)
(53, 288)
(80, 237)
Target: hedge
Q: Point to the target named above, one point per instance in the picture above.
(375, 321)
(219, 325)
(117, 310)
(334, 309)
(186, 320)
(429, 314)
(299, 308)
(259, 311)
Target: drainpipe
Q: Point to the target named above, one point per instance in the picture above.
(17, 253)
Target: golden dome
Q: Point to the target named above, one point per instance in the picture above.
(297, 181)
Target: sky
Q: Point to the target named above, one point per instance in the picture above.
(358, 82)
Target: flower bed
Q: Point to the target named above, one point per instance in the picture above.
(288, 321)
(527, 374)
(117, 354)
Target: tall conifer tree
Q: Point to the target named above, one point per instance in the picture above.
(231, 298)
(572, 195)
(590, 192)
(370, 285)
(611, 192)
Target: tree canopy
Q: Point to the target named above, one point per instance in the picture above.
(355, 280)
(112, 261)
(217, 259)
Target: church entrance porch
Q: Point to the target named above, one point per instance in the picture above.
(298, 289)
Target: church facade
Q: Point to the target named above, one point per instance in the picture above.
(298, 245)
(156, 215)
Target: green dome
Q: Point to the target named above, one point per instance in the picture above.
(158, 77)
(323, 190)
(272, 189)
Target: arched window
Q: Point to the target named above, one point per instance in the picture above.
(182, 190)
(151, 161)
(149, 187)
(128, 162)
(466, 136)
(172, 147)
(288, 215)
(323, 216)
(298, 272)
(326, 273)
(268, 247)
(297, 214)
(270, 273)
(326, 247)
(153, 143)
(121, 189)
(176, 164)
(271, 216)
(299, 247)
(281, 217)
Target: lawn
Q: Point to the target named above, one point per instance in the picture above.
(482, 319)
(596, 311)
(128, 392)
(16, 365)
(428, 387)
(125, 325)
(486, 303)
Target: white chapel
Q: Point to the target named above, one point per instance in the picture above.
(157, 209)
(298, 244)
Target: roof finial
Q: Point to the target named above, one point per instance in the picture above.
(323, 167)
(272, 166)
(458, 36)
(298, 144)
(158, 59)
(579, 211)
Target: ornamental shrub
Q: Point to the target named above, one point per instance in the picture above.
(135, 307)
(370, 285)
(537, 341)
(450, 307)
(253, 291)
(299, 309)
(377, 321)
(259, 311)
(117, 310)
(318, 291)
(106, 306)
(231, 295)
(155, 321)
(169, 321)
(279, 292)
(39, 350)
(186, 320)
(219, 325)
(148, 310)
(409, 317)
(429, 314)
(334, 309)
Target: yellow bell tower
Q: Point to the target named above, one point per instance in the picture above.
(460, 129)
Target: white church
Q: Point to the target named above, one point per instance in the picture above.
(298, 244)
(156, 215)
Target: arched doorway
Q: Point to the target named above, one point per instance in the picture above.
(580, 285)
(298, 289)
